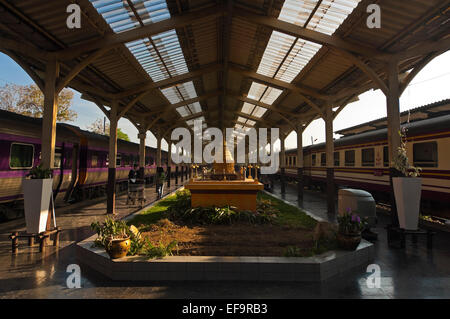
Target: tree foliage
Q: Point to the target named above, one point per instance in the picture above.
(29, 100)
(97, 127)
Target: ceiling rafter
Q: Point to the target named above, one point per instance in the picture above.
(311, 35)
(117, 39)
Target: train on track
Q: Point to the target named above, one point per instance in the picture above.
(361, 157)
(81, 161)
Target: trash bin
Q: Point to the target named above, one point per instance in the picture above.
(360, 202)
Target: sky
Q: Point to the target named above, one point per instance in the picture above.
(432, 84)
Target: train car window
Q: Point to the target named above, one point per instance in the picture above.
(323, 159)
(425, 154)
(295, 161)
(58, 157)
(119, 160)
(313, 160)
(21, 155)
(125, 160)
(368, 157)
(350, 158)
(336, 159)
(94, 161)
(385, 156)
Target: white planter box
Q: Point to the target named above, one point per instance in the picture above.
(407, 191)
(36, 193)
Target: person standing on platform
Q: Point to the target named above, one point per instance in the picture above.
(133, 174)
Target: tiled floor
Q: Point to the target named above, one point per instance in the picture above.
(410, 273)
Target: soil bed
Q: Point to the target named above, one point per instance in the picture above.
(291, 228)
(231, 240)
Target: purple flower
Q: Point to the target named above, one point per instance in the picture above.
(349, 210)
(358, 219)
(353, 218)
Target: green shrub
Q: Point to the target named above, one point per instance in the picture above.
(39, 172)
(292, 251)
(111, 228)
(160, 250)
(180, 205)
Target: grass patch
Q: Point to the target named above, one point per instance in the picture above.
(288, 232)
(289, 215)
(153, 214)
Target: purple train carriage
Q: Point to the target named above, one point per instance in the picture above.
(81, 161)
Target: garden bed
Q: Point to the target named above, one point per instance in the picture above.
(289, 232)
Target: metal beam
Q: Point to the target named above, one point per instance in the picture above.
(24, 48)
(424, 48)
(261, 104)
(310, 35)
(149, 85)
(366, 69)
(165, 107)
(302, 91)
(79, 67)
(116, 39)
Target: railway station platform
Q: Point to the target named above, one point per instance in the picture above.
(412, 272)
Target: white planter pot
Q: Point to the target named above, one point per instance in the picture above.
(407, 191)
(36, 193)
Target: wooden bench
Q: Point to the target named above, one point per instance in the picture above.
(41, 238)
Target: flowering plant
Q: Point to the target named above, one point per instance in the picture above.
(350, 223)
(401, 162)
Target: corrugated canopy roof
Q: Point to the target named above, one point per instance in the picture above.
(239, 63)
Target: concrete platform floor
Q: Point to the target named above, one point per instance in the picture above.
(412, 272)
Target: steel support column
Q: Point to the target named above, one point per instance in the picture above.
(300, 183)
(329, 150)
(283, 165)
(393, 119)
(159, 168)
(111, 189)
(142, 135)
(48, 136)
(169, 164)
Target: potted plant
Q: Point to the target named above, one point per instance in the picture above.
(349, 231)
(114, 236)
(407, 188)
(37, 191)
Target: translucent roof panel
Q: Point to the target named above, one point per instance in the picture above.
(256, 91)
(241, 119)
(247, 108)
(277, 48)
(183, 111)
(182, 92)
(120, 16)
(195, 108)
(160, 55)
(285, 56)
(271, 95)
(263, 93)
(258, 111)
(329, 15)
(253, 110)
